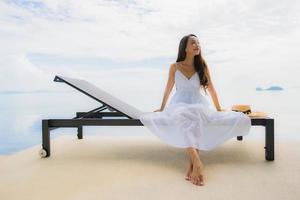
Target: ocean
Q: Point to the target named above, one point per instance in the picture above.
(21, 114)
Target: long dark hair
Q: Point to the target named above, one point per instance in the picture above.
(199, 62)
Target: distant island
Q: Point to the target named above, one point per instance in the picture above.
(275, 88)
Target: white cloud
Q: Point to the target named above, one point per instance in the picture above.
(240, 37)
(18, 74)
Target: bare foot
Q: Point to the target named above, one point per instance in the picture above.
(197, 173)
(189, 171)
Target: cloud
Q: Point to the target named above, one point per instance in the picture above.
(250, 37)
(18, 74)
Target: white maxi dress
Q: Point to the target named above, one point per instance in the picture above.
(188, 121)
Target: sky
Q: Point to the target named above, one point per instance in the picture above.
(249, 43)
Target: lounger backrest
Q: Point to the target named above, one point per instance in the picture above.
(102, 96)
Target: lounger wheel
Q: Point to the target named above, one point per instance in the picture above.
(43, 153)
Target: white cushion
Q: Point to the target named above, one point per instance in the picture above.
(103, 96)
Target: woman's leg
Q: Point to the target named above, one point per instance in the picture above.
(190, 168)
(196, 176)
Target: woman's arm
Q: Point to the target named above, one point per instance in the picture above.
(212, 91)
(169, 86)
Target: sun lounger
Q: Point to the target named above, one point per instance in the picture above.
(121, 114)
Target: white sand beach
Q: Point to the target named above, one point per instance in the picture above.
(127, 168)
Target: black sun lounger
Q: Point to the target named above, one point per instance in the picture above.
(116, 109)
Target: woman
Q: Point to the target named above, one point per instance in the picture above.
(188, 121)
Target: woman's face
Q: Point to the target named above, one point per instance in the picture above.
(193, 46)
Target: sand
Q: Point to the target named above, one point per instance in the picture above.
(127, 168)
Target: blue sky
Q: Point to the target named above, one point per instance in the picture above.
(256, 40)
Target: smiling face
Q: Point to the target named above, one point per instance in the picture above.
(193, 46)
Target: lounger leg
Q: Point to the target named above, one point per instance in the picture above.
(46, 137)
(269, 147)
(239, 137)
(79, 132)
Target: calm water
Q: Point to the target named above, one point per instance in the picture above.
(21, 115)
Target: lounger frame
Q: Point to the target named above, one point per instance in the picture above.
(95, 118)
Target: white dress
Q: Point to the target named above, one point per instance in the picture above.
(188, 121)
